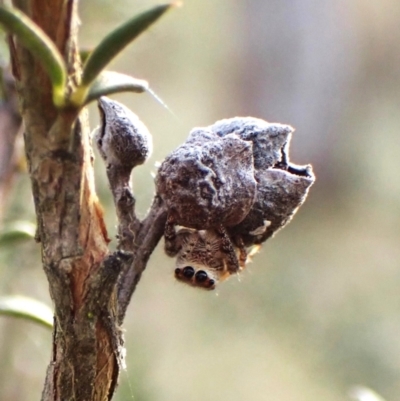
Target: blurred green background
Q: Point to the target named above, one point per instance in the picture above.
(317, 312)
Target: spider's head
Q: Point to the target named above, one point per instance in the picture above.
(200, 262)
(196, 276)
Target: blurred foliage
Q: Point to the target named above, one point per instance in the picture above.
(15, 232)
(28, 309)
(316, 313)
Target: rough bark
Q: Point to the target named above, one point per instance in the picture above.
(90, 295)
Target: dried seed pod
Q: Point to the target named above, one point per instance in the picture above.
(215, 246)
(208, 181)
(122, 139)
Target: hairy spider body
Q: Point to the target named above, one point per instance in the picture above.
(203, 257)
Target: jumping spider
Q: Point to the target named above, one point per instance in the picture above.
(204, 257)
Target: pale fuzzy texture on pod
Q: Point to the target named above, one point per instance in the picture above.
(279, 195)
(269, 139)
(122, 139)
(208, 181)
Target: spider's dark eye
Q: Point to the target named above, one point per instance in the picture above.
(201, 276)
(177, 270)
(188, 271)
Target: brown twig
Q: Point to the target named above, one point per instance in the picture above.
(124, 142)
(135, 238)
(146, 239)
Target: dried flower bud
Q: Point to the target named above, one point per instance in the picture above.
(122, 139)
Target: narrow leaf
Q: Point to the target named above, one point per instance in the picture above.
(41, 46)
(27, 308)
(16, 232)
(118, 39)
(109, 82)
(84, 54)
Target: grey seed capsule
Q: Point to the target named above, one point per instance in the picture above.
(122, 139)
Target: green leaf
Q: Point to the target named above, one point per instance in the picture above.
(41, 46)
(84, 54)
(117, 40)
(16, 232)
(109, 82)
(27, 308)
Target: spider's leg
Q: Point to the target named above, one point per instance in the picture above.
(228, 248)
(172, 243)
(242, 252)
